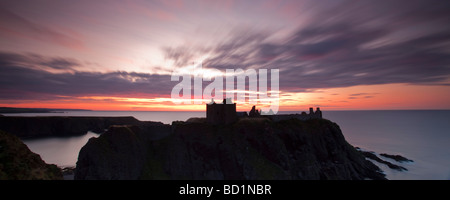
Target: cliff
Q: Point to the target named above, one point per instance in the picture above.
(252, 148)
(17, 162)
(60, 126)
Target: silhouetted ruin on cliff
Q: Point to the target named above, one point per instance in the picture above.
(225, 113)
(302, 116)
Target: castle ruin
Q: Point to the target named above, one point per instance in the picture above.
(225, 113)
(303, 116)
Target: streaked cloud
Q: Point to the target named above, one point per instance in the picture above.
(23, 77)
(128, 49)
(16, 26)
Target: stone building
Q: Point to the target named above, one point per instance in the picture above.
(302, 116)
(224, 113)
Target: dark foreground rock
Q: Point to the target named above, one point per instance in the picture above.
(17, 162)
(120, 153)
(68, 172)
(247, 149)
(389, 164)
(397, 158)
(26, 127)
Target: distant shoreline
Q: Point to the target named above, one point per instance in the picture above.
(12, 110)
(36, 110)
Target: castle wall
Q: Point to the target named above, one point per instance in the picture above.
(226, 114)
(303, 116)
(221, 113)
(229, 111)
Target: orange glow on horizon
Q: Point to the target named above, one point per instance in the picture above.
(374, 97)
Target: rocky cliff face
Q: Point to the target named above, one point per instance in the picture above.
(248, 149)
(60, 126)
(120, 153)
(17, 162)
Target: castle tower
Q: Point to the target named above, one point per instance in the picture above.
(224, 113)
(318, 113)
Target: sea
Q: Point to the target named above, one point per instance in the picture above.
(420, 135)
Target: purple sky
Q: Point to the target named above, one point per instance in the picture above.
(50, 48)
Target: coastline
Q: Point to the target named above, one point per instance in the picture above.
(381, 137)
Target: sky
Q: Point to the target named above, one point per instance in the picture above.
(120, 54)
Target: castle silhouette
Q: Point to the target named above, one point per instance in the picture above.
(225, 113)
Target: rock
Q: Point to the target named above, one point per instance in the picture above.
(372, 156)
(26, 127)
(68, 170)
(17, 162)
(397, 158)
(252, 148)
(196, 120)
(68, 173)
(118, 154)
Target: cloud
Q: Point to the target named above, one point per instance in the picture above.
(353, 45)
(181, 56)
(362, 94)
(20, 79)
(38, 62)
(16, 26)
(337, 44)
(60, 63)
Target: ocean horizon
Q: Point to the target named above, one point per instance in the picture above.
(419, 135)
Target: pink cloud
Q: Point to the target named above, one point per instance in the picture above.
(164, 15)
(15, 26)
(154, 12)
(178, 4)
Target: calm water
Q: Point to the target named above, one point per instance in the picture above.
(62, 151)
(422, 136)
